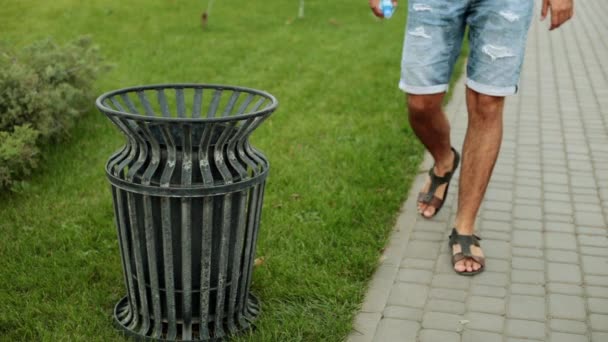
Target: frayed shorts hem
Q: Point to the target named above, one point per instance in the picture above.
(491, 90)
(426, 90)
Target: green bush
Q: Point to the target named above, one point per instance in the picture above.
(43, 89)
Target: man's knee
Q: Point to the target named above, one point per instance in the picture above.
(421, 106)
(488, 108)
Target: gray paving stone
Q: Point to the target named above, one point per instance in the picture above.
(448, 294)
(560, 241)
(485, 322)
(596, 280)
(527, 212)
(494, 235)
(446, 306)
(564, 273)
(402, 312)
(558, 255)
(496, 215)
(423, 264)
(406, 294)
(528, 181)
(488, 291)
(524, 191)
(525, 329)
(513, 339)
(480, 336)
(559, 218)
(442, 321)
(589, 218)
(422, 250)
(585, 199)
(444, 264)
(377, 292)
(491, 278)
(558, 188)
(527, 277)
(487, 305)
(532, 264)
(564, 337)
(499, 195)
(598, 305)
(450, 281)
(560, 227)
(429, 226)
(525, 202)
(597, 291)
(568, 326)
(390, 329)
(555, 178)
(527, 289)
(595, 265)
(594, 251)
(588, 207)
(599, 322)
(597, 336)
(525, 238)
(364, 327)
(595, 241)
(427, 236)
(496, 249)
(414, 276)
(567, 307)
(558, 207)
(497, 205)
(428, 335)
(526, 307)
(527, 252)
(592, 230)
(567, 289)
(557, 196)
(495, 226)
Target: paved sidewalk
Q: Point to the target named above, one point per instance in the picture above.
(543, 221)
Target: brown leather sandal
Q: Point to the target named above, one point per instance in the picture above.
(465, 242)
(429, 197)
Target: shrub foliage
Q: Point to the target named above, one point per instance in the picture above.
(43, 89)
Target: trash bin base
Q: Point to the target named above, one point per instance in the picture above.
(242, 324)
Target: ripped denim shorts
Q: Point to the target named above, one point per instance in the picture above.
(433, 39)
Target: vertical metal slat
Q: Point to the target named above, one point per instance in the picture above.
(236, 261)
(217, 95)
(181, 104)
(223, 265)
(165, 182)
(198, 102)
(162, 100)
(186, 234)
(206, 245)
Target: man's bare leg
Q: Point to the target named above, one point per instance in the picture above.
(480, 152)
(432, 127)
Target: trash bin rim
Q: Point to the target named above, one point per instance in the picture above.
(102, 107)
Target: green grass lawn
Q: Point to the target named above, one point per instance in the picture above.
(341, 151)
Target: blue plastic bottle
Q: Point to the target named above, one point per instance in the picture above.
(387, 8)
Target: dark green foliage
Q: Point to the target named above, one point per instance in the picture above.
(43, 88)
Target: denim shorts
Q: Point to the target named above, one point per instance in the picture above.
(497, 39)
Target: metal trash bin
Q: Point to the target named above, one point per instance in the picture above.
(187, 190)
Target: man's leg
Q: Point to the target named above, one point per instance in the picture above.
(432, 127)
(480, 151)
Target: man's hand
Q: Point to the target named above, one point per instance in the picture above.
(375, 6)
(561, 11)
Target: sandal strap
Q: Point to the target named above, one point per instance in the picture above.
(465, 242)
(430, 199)
(437, 181)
